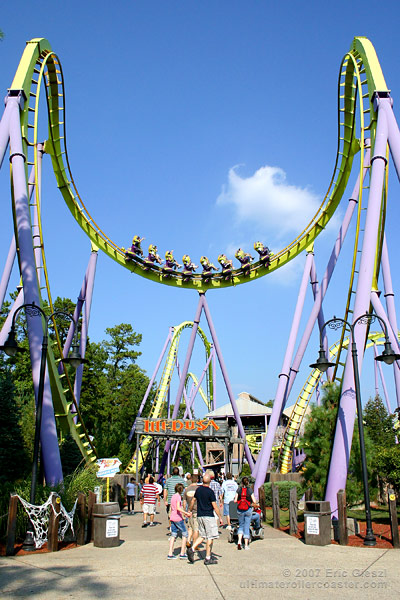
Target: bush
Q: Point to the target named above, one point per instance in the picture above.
(284, 488)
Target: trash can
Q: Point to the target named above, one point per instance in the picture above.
(106, 517)
(317, 523)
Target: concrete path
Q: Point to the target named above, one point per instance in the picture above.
(278, 567)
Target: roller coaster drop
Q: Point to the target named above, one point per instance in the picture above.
(361, 89)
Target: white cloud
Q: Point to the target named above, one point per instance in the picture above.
(269, 201)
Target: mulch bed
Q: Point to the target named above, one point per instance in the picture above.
(381, 532)
(19, 552)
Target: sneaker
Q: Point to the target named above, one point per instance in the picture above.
(247, 547)
(183, 556)
(210, 561)
(239, 546)
(152, 525)
(171, 557)
(190, 555)
(229, 528)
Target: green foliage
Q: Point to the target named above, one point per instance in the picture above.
(378, 423)
(13, 458)
(284, 488)
(388, 465)
(71, 457)
(318, 440)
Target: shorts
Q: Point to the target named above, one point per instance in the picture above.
(149, 509)
(226, 509)
(192, 523)
(178, 526)
(208, 528)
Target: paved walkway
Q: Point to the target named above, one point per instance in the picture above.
(278, 567)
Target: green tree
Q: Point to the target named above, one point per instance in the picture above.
(378, 423)
(318, 441)
(13, 458)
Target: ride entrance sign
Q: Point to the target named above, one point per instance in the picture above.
(183, 428)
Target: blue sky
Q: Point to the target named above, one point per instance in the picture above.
(196, 124)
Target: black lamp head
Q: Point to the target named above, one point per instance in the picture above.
(11, 347)
(388, 356)
(322, 363)
(75, 359)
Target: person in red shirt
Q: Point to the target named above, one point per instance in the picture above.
(148, 497)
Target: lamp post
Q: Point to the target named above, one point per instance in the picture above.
(11, 348)
(387, 356)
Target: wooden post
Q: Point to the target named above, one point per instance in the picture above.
(342, 518)
(52, 534)
(81, 512)
(11, 524)
(293, 527)
(261, 499)
(394, 525)
(308, 494)
(90, 528)
(275, 506)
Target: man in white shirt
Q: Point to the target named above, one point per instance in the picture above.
(228, 490)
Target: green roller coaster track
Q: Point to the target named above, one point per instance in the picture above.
(360, 76)
(162, 391)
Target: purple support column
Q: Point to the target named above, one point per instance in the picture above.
(185, 369)
(378, 366)
(261, 466)
(321, 318)
(328, 273)
(4, 132)
(5, 278)
(188, 413)
(214, 371)
(8, 322)
(13, 250)
(318, 301)
(141, 407)
(49, 441)
(193, 395)
(393, 132)
(227, 383)
(157, 455)
(347, 408)
(391, 309)
(91, 272)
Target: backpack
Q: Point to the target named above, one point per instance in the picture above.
(243, 503)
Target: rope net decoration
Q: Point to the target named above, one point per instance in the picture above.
(39, 517)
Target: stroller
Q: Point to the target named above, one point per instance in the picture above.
(233, 534)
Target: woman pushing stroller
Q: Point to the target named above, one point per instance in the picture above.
(245, 499)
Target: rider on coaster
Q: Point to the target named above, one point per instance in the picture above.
(264, 252)
(207, 268)
(136, 249)
(227, 266)
(152, 257)
(245, 260)
(170, 263)
(188, 267)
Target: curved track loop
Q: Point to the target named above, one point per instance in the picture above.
(61, 386)
(164, 385)
(360, 64)
(303, 400)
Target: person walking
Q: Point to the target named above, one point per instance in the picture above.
(177, 523)
(130, 495)
(169, 489)
(149, 496)
(208, 528)
(228, 490)
(244, 498)
(193, 526)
